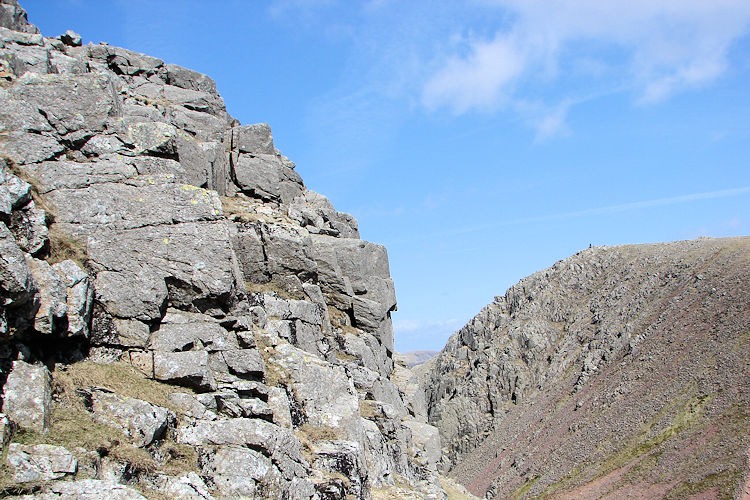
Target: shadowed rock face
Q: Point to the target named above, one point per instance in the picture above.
(167, 283)
(618, 370)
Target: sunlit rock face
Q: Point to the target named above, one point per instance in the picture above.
(179, 313)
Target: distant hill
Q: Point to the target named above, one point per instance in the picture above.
(620, 371)
(414, 358)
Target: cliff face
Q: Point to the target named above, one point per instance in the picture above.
(179, 313)
(618, 371)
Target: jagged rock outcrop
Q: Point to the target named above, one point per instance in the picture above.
(620, 371)
(186, 315)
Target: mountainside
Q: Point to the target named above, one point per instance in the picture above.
(414, 358)
(618, 372)
(180, 317)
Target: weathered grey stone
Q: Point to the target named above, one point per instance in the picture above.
(234, 406)
(80, 296)
(359, 271)
(29, 228)
(142, 201)
(27, 396)
(123, 61)
(288, 249)
(88, 489)
(129, 295)
(65, 174)
(256, 139)
(291, 309)
(316, 213)
(7, 429)
(380, 464)
(184, 368)
(385, 390)
(248, 245)
(141, 421)
(345, 458)
(409, 385)
(188, 486)
(280, 444)
(188, 79)
(71, 38)
(244, 362)
(41, 462)
(53, 305)
(17, 284)
(267, 177)
(107, 330)
(14, 192)
(12, 16)
(200, 406)
(69, 102)
(155, 138)
(324, 393)
(190, 263)
(182, 331)
(427, 438)
(237, 472)
(279, 404)
(194, 99)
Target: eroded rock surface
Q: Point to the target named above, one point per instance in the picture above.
(176, 307)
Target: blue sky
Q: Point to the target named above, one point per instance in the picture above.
(480, 141)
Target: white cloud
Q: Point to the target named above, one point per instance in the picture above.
(658, 47)
(479, 80)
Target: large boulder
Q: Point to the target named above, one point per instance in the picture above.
(17, 285)
(88, 489)
(41, 462)
(266, 176)
(190, 368)
(27, 396)
(141, 421)
(53, 306)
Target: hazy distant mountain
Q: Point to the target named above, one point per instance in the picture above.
(415, 358)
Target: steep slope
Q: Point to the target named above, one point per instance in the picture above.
(618, 371)
(179, 315)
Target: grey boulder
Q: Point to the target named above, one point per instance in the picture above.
(41, 462)
(141, 421)
(27, 396)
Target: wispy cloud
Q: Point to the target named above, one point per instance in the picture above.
(657, 47)
(609, 209)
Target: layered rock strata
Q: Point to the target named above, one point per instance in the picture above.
(618, 372)
(148, 237)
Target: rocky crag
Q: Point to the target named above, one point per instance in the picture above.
(619, 372)
(180, 317)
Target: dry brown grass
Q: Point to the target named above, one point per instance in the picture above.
(63, 246)
(367, 409)
(308, 434)
(73, 427)
(119, 377)
(239, 209)
(454, 490)
(272, 287)
(341, 321)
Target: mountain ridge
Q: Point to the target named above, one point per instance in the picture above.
(576, 341)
